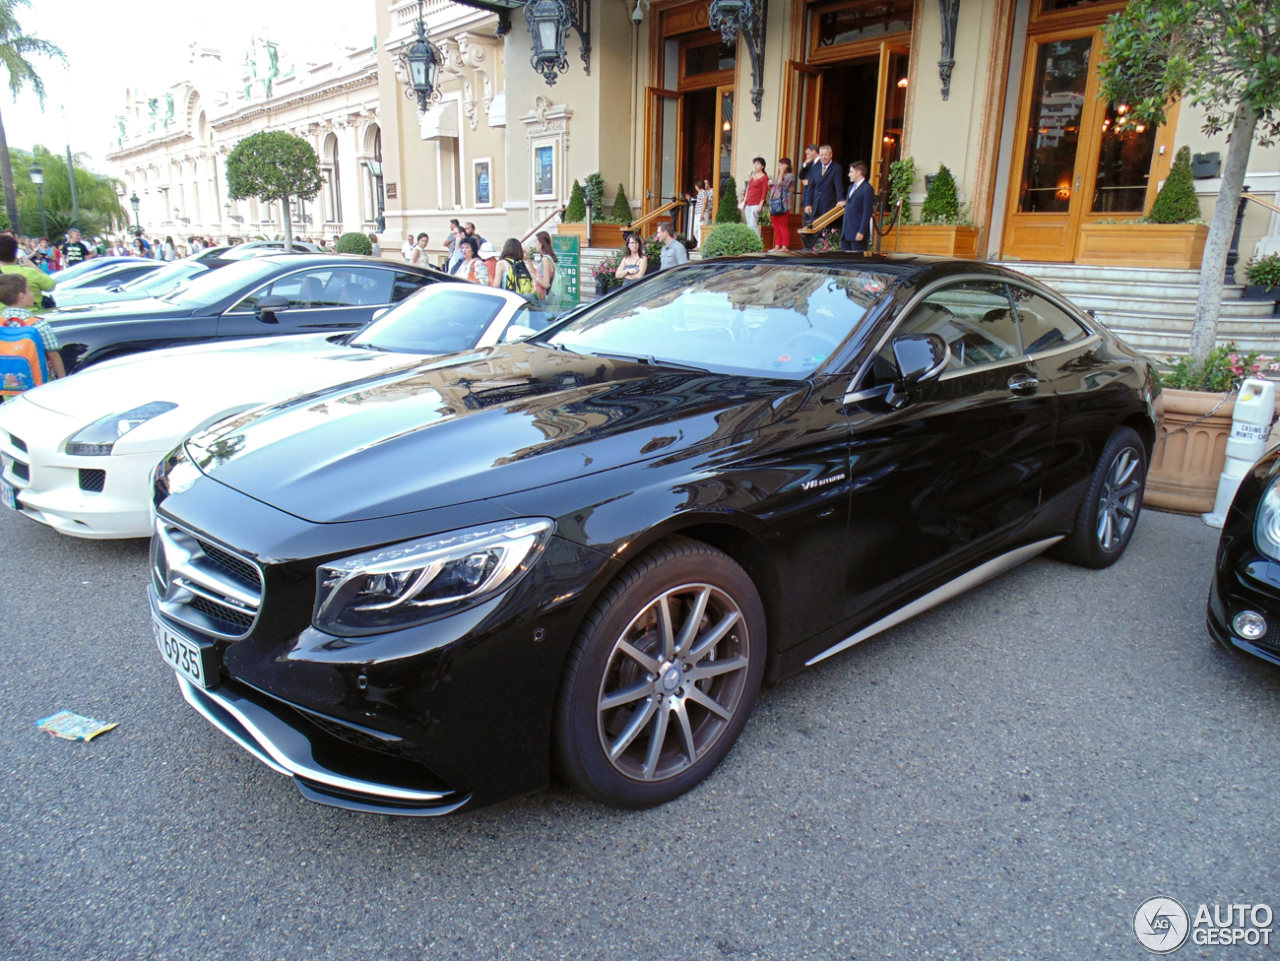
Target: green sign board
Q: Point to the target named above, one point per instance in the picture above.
(569, 262)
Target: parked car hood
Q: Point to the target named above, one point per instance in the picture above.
(89, 314)
(209, 381)
(494, 421)
(92, 296)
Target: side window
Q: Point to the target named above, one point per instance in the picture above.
(974, 318)
(1045, 325)
(357, 287)
(406, 284)
(303, 289)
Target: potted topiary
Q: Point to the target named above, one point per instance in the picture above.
(354, 243)
(730, 240)
(1170, 237)
(1192, 448)
(945, 229)
(1264, 280)
(727, 211)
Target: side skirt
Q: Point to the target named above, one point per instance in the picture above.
(966, 581)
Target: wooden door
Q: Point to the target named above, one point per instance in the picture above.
(1055, 151)
(664, 176)
(722, 160)
(890, 110)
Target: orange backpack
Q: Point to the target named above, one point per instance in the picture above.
(22, 361)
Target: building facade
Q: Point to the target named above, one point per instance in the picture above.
(173, 144)
(1003, 92)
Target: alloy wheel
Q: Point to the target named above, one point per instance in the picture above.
(673, 681)
(1118, 502)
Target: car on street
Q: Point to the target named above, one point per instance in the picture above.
(1244, 596)
(153, 283)
(78, 453)
(273, 294)
(585, 551)
(102, 272)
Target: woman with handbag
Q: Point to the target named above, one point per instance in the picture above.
(780, 194)
(544, 282)
(753, 197)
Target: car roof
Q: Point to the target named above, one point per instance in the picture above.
(347, 260)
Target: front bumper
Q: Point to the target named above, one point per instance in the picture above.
(91, 497)
(1251, 584)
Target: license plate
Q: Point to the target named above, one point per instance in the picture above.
(8, 495)
(189, 658)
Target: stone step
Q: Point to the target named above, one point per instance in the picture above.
(1170, 307)
(1044, 271)
(1081, 289)
(1268, 326)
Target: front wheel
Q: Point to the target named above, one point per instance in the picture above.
(662, 676)
(1109, 512)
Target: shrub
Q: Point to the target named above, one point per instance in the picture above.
(902, 177)
(730, 240)
(593, 192)
(621, 212)
(1265, 271)
(354, 243)
(1176, 203)
(576, 211)
(728, 212)
(605, 272)
(1224, 371)
(941, 204)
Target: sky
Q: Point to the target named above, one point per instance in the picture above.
(112, 45)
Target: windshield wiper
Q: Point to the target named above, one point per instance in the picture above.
(650, 360)
(369, 346)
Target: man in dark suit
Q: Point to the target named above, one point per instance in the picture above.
(824, 183)
(857, 204)
(806, 194)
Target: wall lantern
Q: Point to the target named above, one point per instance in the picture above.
(420, 63)
(950, 11)
(549, 24)
(746, 17)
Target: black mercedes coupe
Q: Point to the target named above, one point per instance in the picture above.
(278, 294)
(584, 552)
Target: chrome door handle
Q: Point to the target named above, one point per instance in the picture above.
(1023, 384)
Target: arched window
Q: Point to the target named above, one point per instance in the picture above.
(329, 165)
(372, 173)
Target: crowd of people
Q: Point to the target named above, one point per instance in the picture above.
(471, 257)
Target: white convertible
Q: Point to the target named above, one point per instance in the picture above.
(78, 453)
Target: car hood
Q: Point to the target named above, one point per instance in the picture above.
(93, 296)
(496, 421)
(209, 381)
(85, 315)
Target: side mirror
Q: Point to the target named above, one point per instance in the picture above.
(517, 332)
(920, 358)
(267, 307)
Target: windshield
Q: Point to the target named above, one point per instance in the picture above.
(218, 284)
(778, 320)
(439, 319)
(165, 279)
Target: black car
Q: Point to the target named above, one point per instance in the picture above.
(1244, 598)
(587, 550)
(278, 294)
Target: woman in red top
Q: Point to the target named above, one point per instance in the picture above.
(757, 190)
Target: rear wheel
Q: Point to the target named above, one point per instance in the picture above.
(1109, 511)
(662, 677)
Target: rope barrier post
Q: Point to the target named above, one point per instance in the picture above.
(1250, 427)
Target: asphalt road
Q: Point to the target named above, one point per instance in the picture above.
(1005, 777)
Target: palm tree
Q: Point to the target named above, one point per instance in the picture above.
(15, 48)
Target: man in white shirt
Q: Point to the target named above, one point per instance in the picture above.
(406, 248)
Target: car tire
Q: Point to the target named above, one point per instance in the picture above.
(629, 685)
(1108, 513)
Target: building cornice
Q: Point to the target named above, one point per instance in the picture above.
(369, 78)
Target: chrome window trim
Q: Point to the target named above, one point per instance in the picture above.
(1091, 340)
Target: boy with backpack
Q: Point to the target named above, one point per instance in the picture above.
(513, 273)
(28, 346)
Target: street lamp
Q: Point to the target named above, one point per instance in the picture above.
(746, 17)
(549, 24)
(421, 63)
(37, 178)
(375, 171)
(136, 204)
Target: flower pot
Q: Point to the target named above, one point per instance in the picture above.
(932, 239)
(1190, 452)
(1164, 246)
(1258, 294)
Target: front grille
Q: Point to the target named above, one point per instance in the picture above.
(21, 470)
(93, 481)
(18, 442)
(204, 586)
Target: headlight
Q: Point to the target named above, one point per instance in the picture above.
(98, 438)
(1266, 524)
(173, 475)
(406, 584)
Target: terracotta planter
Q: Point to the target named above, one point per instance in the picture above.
(1186, 464)
(1164, 246)
(932, 239)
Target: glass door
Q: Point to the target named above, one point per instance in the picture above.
(724, 141)
(891, 109)
(664, 177)
(1056, 147)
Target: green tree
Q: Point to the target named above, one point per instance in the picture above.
(727, 212)
(1176, 203)
(100, 207)
(16, 49)
(576, 211)
(941, 203)
(621, 212)
(274, 166)
(593, 191)
(902, 177)
(1224, 57)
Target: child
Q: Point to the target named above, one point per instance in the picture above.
(18, 300)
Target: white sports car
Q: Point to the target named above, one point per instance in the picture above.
(78, 453)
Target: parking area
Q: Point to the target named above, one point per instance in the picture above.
(1007, 776)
